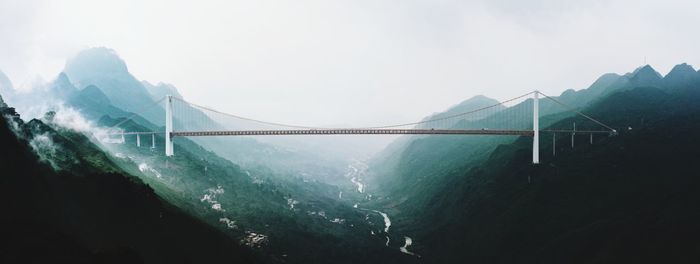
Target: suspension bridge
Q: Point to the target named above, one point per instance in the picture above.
(518, 116)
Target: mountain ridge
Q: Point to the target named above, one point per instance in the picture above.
(103, 68)
(6, 87)
(77, 207)
(502, 209)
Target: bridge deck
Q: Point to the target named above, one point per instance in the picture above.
(353, 132)
(136, 133)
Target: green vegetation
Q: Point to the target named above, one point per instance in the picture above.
(82, 209)
(627, 198)
(78, 197)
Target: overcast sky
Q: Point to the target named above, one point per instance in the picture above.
(352, 62)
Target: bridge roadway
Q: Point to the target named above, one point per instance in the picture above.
(353, 131)
(360, 131)
(136, 133)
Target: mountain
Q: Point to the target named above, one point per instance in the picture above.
(623, 198)
(94, 94)
(251, 205)
(40, 98)
(475, 102)
(607, 84)
(62, 87)
(470, 104)
(103, 68)
(250, 192)
(386, 161)
(457, 199)
(645, 76)
(600, 86)
(160, 90)
(681, 76)
(66, 202)
(6, 88)
(280, 216)
(94, 104)
(2, 103)
(390, 175)
(603, 82)
(600, 203)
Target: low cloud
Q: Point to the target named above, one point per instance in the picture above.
(45, 148)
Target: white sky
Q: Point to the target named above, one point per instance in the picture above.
(352, 62)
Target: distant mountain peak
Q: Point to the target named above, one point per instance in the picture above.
(5, 85)
(473, 103)
(95, 61)
(645, 76)
(2, 103)
(682, 75)
(62, 86)
(62, 80)
(95, 94)
(104, 68)
(161, 89)
(645, 71)
(603, 82)
(480, 97)
(62, 77)
(606, 78)
(682, 68)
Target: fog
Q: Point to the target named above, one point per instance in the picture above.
(351, 63)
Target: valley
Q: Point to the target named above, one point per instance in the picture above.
(387, 132)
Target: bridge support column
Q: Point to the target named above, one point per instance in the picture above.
(169, 126)
(153, 141)
(572, 135)
(536, 128)
(138, 140)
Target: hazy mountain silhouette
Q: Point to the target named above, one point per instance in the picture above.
(103, 68)
(470, 104)
(160, 90)
(62, 87)
(94, 104)
(645, 76)
(682, 75)
(6, 88)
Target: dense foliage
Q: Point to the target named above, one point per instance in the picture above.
(626, 198)
(80, 208)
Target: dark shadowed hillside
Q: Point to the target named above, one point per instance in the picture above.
(629, 198)
(79, 208)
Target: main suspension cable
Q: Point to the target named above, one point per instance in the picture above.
(375, 127)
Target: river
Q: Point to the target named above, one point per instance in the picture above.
(355, 171)
(407, 243)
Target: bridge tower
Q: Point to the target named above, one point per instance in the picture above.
(169, 126)
(536, 128)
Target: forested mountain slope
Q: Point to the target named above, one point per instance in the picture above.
(65, 202)
(625, 198)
